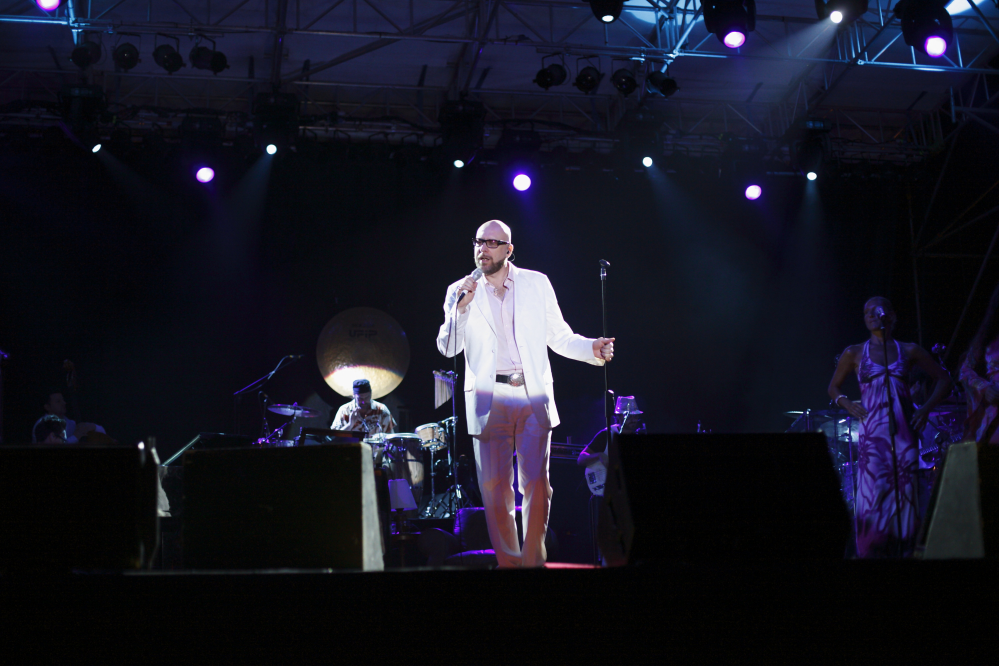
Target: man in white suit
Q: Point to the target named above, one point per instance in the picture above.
(505, 321)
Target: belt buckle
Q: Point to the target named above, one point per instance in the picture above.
(516, 379)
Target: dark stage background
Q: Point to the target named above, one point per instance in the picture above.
(169, 295)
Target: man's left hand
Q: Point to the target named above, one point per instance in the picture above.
(603, 348)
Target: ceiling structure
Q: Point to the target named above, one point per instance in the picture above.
(382, 70)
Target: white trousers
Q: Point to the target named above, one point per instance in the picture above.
(512, 426)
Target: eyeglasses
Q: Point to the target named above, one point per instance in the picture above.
(491, 243)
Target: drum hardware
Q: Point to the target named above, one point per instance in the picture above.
(295, 411)
(447, 503)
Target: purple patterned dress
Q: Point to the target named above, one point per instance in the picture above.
(877, 530)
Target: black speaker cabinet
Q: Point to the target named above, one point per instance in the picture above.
(76, 507)
(301, 507)
(697, 497)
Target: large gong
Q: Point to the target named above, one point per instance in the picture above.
(363, 343)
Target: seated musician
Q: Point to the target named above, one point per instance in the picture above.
(363, 413)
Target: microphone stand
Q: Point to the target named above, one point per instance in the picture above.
(257, 384)
(604, 265)
(892, 430)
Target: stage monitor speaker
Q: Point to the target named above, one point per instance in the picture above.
(77, 507)
(696, 497)
(301, 507)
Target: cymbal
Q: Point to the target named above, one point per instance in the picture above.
(294, 410)
(363, 343)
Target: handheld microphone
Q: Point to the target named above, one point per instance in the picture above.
(476, 274)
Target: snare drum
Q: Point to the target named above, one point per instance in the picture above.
(432, 435)
(404, 460)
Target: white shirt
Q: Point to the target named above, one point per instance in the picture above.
(501, 304)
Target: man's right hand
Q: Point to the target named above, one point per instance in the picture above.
(469, 285)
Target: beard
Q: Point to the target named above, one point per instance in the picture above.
(492, 266)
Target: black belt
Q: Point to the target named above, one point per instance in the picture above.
(516, 379)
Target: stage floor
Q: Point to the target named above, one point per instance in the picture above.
(833, 612)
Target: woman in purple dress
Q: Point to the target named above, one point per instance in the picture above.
(979, 373)
(886, 519)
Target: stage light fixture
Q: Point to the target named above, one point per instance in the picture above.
(522, 181)
(463, 124)
(205, 174)
(125, 56)
(202, 57)
(275, 120)
(839, 11)
(646, 162)
(552, 75)
(661, 84)
(926, 25)
(48, 5)
(624, 81)
(811, 175)
(607, 11)
(86, 54)
(753, 192)
(96, 148)
(730, 20)
(167, 57)
(271, 149)
(458, 164)
(587, 80)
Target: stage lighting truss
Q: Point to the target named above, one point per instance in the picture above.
(730, 20)
(587, 78)
(843, 12)
(463, 125)
(87, 52)
(926, 25)
(202, 57)
(554, 74)
(275, 120)
(167, 56)
(607, 11)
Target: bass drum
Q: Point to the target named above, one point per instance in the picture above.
(404, 460)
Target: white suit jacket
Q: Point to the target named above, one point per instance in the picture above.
(538, 324)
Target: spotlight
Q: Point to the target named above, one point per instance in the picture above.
(463, 126)
(205, 174)
(203, 57)
(552, 75)
(730, 20)
(646, 162)
(96, 148)
(275, 120)
(522, 181)
(458, 164)
(624, 81)
(271, 149)
(811, 175)
(86, 54)
(660, 83)
(48, 5)
(753, 192)
(125, 56)
(926, 25)
(167, 57)
(587, 80)
(839, 11)
(607, 11)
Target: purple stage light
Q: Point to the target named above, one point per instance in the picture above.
(48, 5)
(935, 46)
(205, 174)
(753, 192)
(522, 181)
(734, 39)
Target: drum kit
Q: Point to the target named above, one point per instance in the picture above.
(402, 456)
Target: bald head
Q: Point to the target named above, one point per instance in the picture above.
(494, 229)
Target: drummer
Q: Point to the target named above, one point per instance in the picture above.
(363, 413)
